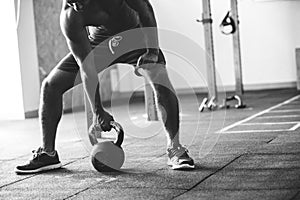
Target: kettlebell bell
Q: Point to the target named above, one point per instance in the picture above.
(108, 156)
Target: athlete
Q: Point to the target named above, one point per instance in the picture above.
(95, 31)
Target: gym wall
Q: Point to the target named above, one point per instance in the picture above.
(269, 32)
(28, 57)
(11, 101)
(269, 36)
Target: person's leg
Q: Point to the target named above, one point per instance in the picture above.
(62, 78)
(50, 112)
(54, 85)
(167, 102)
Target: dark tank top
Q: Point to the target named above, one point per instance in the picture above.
(100, 32)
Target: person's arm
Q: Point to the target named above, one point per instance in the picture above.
(76, 36)
(147, 19)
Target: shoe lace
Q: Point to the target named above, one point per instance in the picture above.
(178, 151)
(37, 152)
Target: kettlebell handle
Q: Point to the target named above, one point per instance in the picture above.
(118, 128)
(120, 133)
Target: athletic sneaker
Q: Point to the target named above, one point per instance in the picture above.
(178, 158)
(41, 161)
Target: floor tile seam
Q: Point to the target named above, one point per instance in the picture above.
(208, 176)
(34, 175)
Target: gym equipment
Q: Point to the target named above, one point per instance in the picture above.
(231, 19)
(227, 25)
(210, 101)
(108, 156)
(238, 105)
(239, 88)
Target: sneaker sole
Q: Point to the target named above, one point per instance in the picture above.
(183, 166)
(46, 168)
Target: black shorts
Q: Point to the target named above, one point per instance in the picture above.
(110, 50)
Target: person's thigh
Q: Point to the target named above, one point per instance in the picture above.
(65, 75)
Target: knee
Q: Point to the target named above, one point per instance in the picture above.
(49, 86)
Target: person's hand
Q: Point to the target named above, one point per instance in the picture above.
(102, 121)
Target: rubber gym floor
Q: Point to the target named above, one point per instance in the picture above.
(251, 153)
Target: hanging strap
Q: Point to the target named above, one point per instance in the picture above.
(228, 21)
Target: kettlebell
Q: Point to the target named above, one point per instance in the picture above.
(108, 156)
